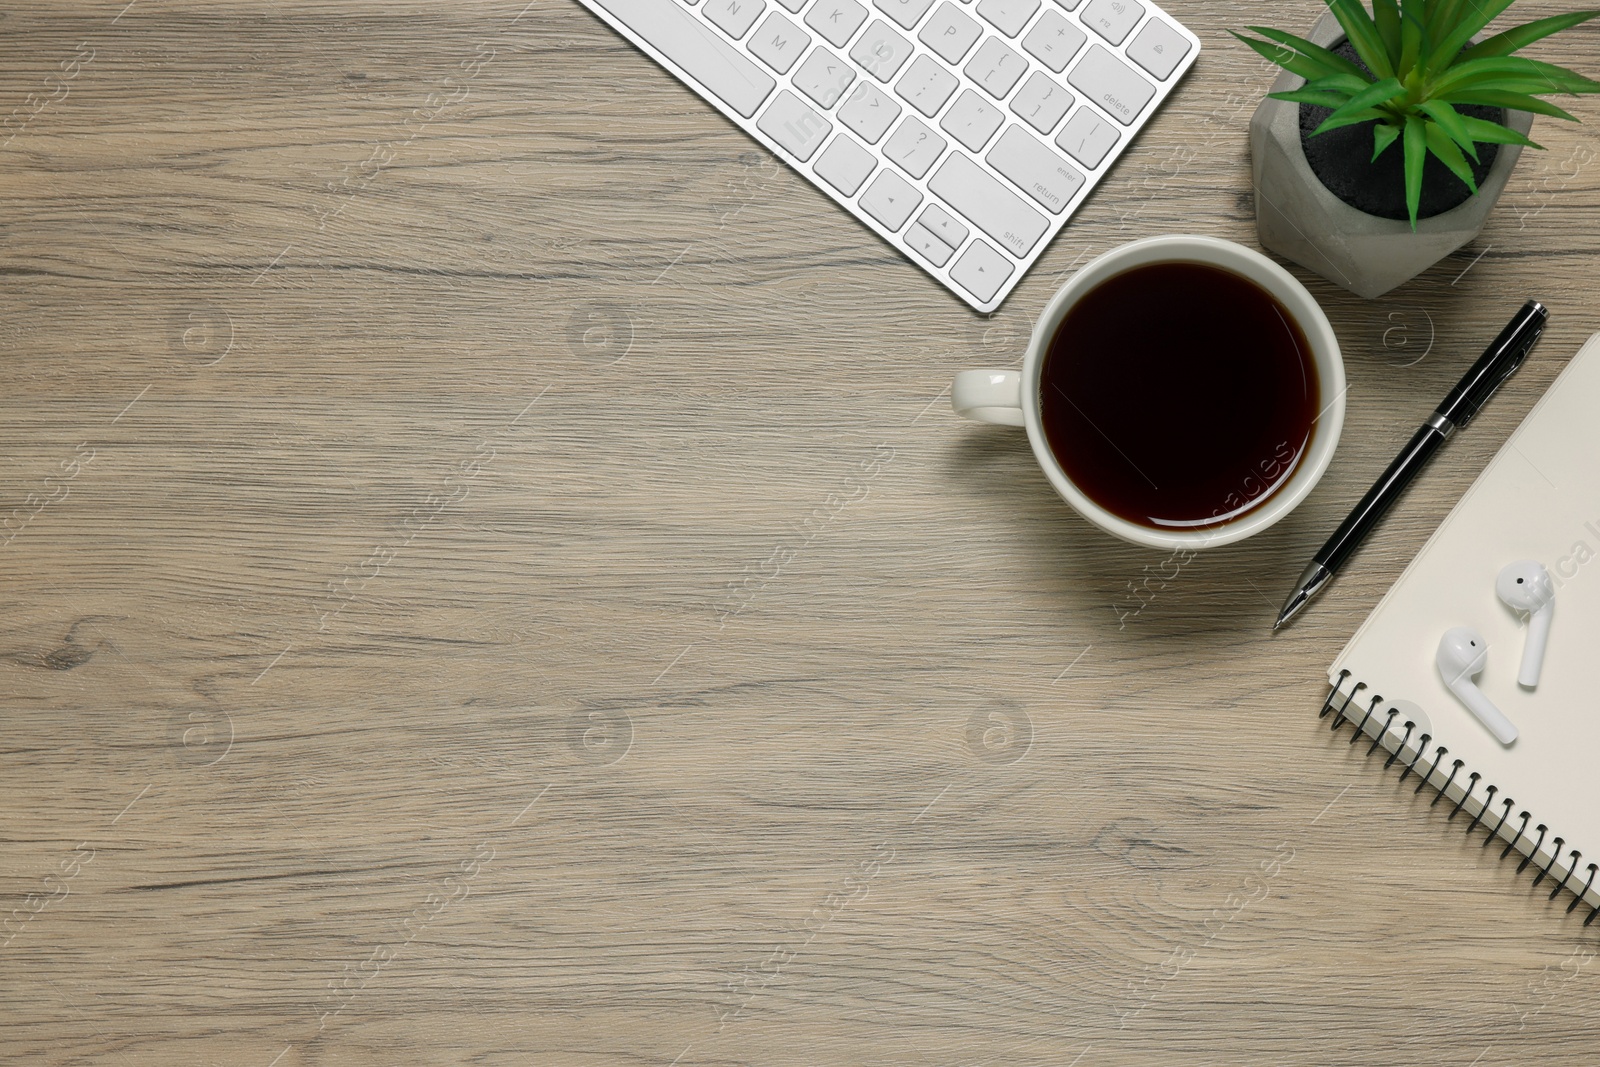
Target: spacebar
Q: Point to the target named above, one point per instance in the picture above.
(695, 47)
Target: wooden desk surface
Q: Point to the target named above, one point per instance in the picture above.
(493, 577)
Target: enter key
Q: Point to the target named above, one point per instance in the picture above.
(1037, 170)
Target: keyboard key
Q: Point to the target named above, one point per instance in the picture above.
(794, 6)
(981, 271)
(869, 112)
(1112, 84)
(836, 20)
(914, 147)
(796, 127)
(718, 67)
(926, 86)
(1041, 102)
(996, 68)
(1053, 41)
(1007, 16)
(906, 12)
(927, 245)
(733, 17)
(824, 77)
(779, 42)
(1037, 170)
(890, 199)
(845, 165)
(1070, 5)
(1159, 48)
(1112, 19)
(881, 52)
(981, 199)
(972, 120)
(1087, 138)
(944, 225)
(950, 33)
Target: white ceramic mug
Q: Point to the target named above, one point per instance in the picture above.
(1011, 398)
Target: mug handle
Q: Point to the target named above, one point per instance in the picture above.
(989, 396)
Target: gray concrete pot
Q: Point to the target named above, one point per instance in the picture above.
(1298, 218)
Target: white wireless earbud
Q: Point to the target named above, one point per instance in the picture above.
(1462, 655)
(1526, 587)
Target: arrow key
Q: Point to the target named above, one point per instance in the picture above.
(981, 270)
(925, 244)
(891, 199)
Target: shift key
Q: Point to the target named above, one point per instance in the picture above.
(993, 208)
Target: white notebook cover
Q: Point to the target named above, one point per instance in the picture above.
(1538, 499)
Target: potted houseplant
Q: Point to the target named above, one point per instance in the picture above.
(1389, 135)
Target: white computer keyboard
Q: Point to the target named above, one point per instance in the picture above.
(965, 134)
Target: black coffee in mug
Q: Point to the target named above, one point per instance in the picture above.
(1179, 395)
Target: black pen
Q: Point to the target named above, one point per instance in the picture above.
(1496, 364)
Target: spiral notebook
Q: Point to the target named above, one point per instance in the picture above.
(1535, 799)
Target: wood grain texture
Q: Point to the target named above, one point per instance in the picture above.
(493, 578)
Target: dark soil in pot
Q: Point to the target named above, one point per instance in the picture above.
(1340, 158)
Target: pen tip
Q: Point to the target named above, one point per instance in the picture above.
(1290, 609)
(1311, 582)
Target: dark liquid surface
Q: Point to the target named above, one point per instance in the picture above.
(1179, 395)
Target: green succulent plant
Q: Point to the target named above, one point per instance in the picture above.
(1420, 65)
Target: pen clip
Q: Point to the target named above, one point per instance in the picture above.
(1513, 365)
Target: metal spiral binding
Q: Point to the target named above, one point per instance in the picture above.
(1472, 780)
(1390, 731)
(1537, 845)
(1520, 831)
(1455, 769)
(1488, 798)
(1387, 723)
(1422, 743)
(1553, 857)
(1576, 856)
(1402, 747)
(1438, 754)
(1361, 727)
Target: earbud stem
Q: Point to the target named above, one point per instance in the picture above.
(1486, 712)
(1533, 647)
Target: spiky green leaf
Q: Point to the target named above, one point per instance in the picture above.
(1386, 16)
(1449, 120)
(1537, 85)
(1332, 62)
(1515, 101)
(1363, 35)
(1507, 68)
(1416, 149)
(1311, 96)
(1366, 100)
(1519, 37)
(1485, 132)
(1287, 58)
(1339, 83)
(1352, 118)
(1442, 14)
(1383, 136)
(1411, 36)
(1469, 20)
(1449, 153)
